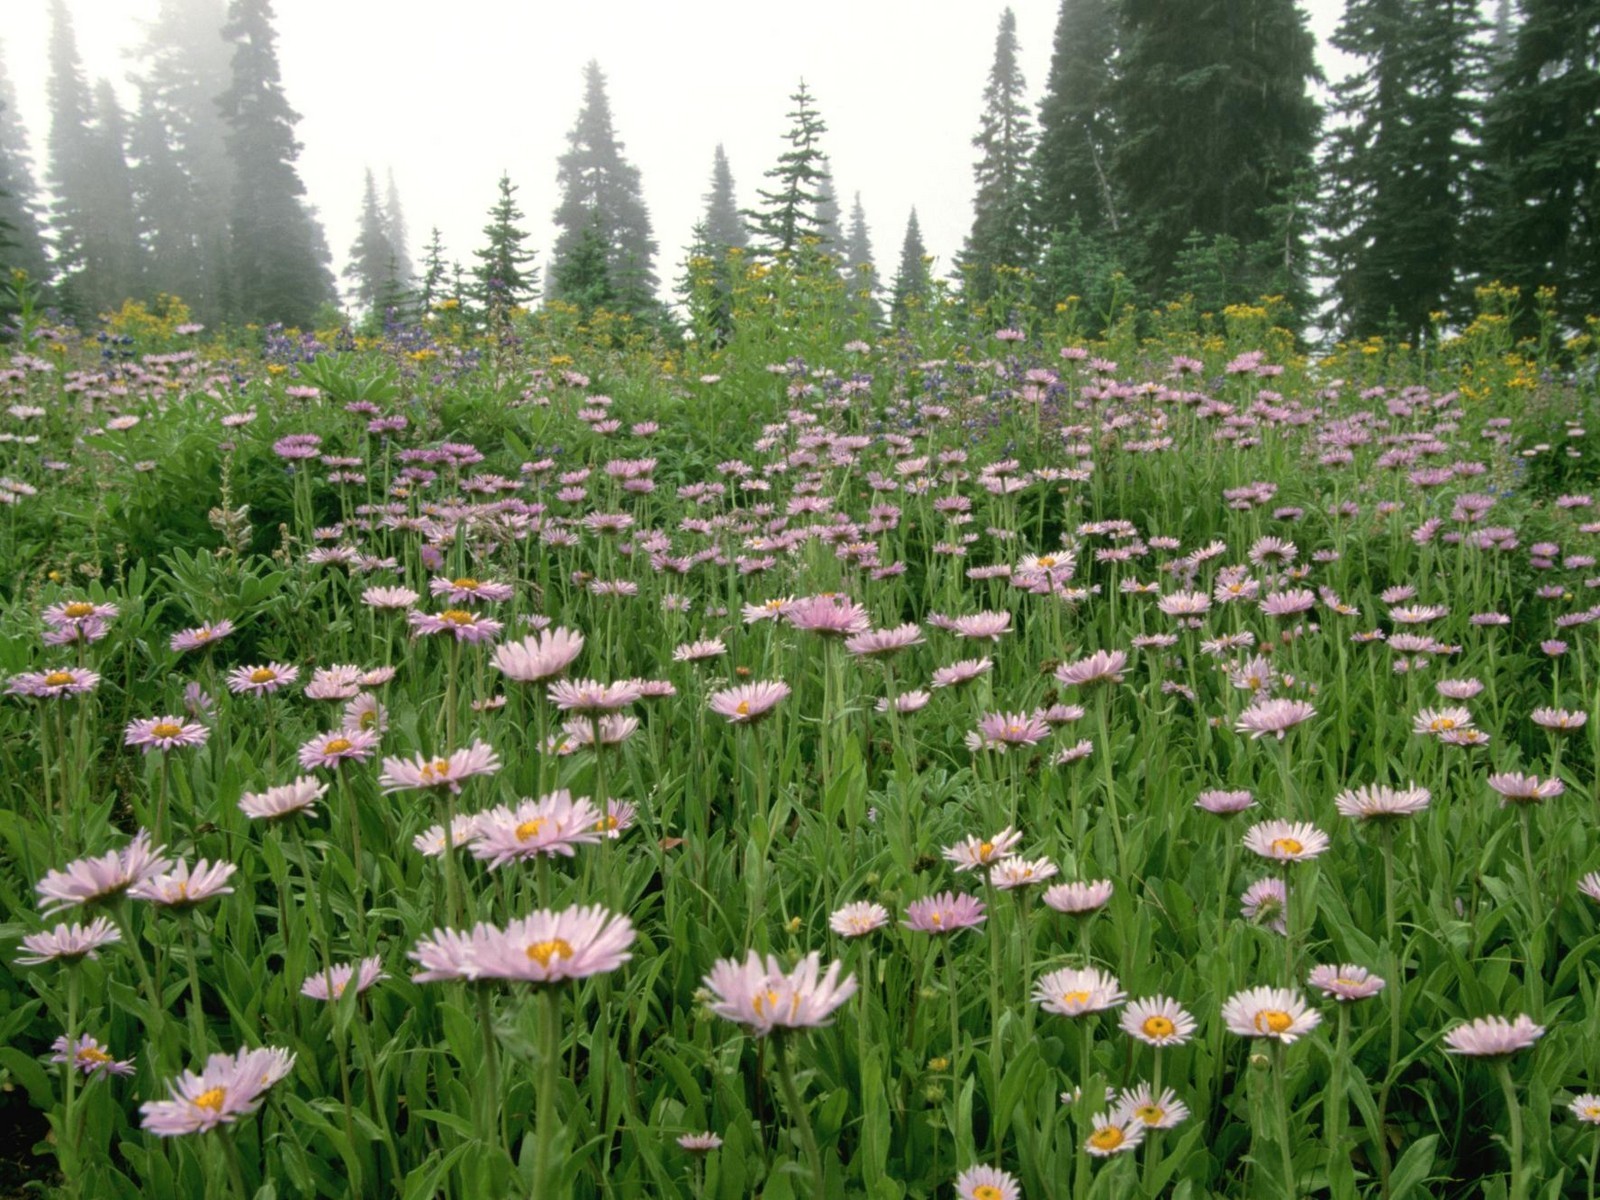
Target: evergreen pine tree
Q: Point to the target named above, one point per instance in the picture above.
(183, 175)
(830, 235)
(1072, 158)
(1400, 166)
(723, 225)
(110, 184)
(435, 272)
(600, 196)
(1000, 236)
(1542, 143)
(504, 279)
(1216, 120)
(788, 213)
(860, 270)
(373, 261)
(911, 281)
(277, 253)
(404, 273)
(583, 278)
(18, 194)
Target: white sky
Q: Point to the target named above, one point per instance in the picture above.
(450, 95)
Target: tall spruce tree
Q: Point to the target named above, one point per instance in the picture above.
(19, 194)
(183, 175)
(1072, 180)
(600, 196)
(504, 277)
(404, 273)
(1216, 120)
(912, 282)
(435, 283)
(724, 228)
(373, 262)
(788, 214)
(1400, 166)
(1000, 237)
(1542, 146)
(860, 271)
(91, 209)
(830, 235)
(278, 254)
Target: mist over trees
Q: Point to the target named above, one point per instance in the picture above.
(1174, 150)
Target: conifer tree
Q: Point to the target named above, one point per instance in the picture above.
(373, 261)
(183, 177)
(723, 226)
(830, 235)
(912, 280)
(277, 253)
(1216, 120)
(860, 270)
(1401, 165)
(404, 273)
(1542, 144)
(504, 278)
(111, 191)
(1000, 235)
(25, 248)
(1072, 179)
(789, 212)
(583, 278)
(435, 272)
(600, 196)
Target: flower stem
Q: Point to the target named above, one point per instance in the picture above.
(70, 1166)
(547, 1176)
(802, 1122)
(1281, 1114)
(1519, 1184)
(493, 1127)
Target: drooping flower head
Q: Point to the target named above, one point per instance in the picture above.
(759, 995)
(1493, 1037)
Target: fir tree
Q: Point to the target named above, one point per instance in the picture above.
(435, 272)
(25, 247)
(600, 196)
(1000, 236)
(830, 235)
(1401, 165)
(110, 185)
(1072, 159)
(277, 253)
(183, 174)
(504, 278)
(373, 261)
(404, 273)
(860, 272)
(724, 227)
(1216, 120)
(788, 213)
(911, 281)
(1542, 142)
(583, 278)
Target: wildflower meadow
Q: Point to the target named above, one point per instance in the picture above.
(973, 762)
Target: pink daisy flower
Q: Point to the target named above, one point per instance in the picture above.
(230, 1086)
(463, 624)
(1158, 1021)
(421, 772)
(48, 685)
(1274, 717)
(69, 942)
(331, 750)
(1265, 1012)
(262, 680)
(164, 733)
(1517, 788)
(961, 672)
(1381, 802)
(589, 696)
(90, 1057)
(334, 984)
(300, 796)
(200, 636)
(553, 824)
(947, 912)
(1286, 841)
(1345, 982)
(1493, 1037)
(974, 851)
(759, 995)
(1011, 873)
(1222, 802)
(468, 590)
(182, 886)
(111, 874)
(1114, 1133)
(856, 920)
(982, 625)
(1073, 991)
(535, 659)
(1077, 898)
(998, 731)
(1263, 903)
(987, 1183)
(748, 703)
(830, 616)
(1100, 667)
(879, 643)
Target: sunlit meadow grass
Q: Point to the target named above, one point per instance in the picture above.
(936, 766)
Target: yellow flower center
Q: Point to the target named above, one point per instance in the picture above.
(1150, 1114)
(439, 768)
(165, 729)
(605, 823)
(263, 675)
(93, 1054)
(543, 952)
(456, 616)
(465, 584)
(985, 849)
(212, 1098)
(1287, 846)
(1272, 1020)
(368, 719)
(744, 708)
(987, 1191)
(79, 609)
(530, 829)
(58, 678)
(1442, 724)
(203, 634)
(1158, 1027)
(337, 746)
(1107, 1137)
(1072, 998)
(763, 1001)
(1047, 560)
